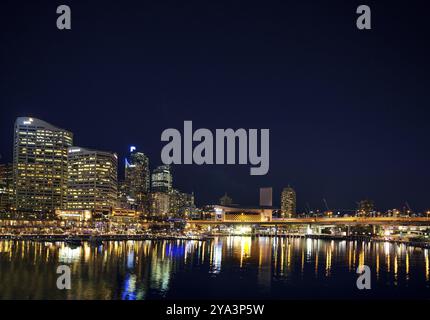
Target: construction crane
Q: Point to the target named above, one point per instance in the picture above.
(309, 208)
(409, 212)
(328, 213)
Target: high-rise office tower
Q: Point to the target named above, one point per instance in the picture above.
(162, 179)
(92, 180)
(40, 166)
(137, 177)
(124, 200)
(288, 202)
(6, 188)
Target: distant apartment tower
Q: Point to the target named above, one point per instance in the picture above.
(6, 188)
(288, 202)
(159, 204)
(161, 179)
(137, 178)
(366, 208)
(92, 180)
(181, 203)
(40, 166)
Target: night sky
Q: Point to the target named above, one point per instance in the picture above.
(348, 110)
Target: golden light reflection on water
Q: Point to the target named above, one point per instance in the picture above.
(395, 265)
(387, 255)
(377, 260)
(427, 266)
(407, 263)
(361, 255)
(350, 248)
(136, 269)
(245, 249)
(328, 260)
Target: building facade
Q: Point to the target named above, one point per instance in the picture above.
(366, 208)
(40, 166)
(124, 200)
(161, 179)
(159, 204)
(239, 214)
(137, 179)
(288, 203)
(92, 180)
(181, 203)
(6, 188)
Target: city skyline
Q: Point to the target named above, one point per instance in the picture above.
(157, 180)
(214, 158)
(347, 119)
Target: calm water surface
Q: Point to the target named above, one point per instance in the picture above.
(223, 268)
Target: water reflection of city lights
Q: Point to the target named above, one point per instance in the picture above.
(130, 259)
(245, 249)
(67, 254)
(145, 269)
(128, 292)
(216, 257)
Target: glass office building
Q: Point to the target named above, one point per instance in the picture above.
(40, 166)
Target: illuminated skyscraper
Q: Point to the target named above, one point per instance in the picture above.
(288, 202)
(162, 179)
(6, 188)
(92, 180)
(124, 200)
(181, 204)
(159, 204)
(137, 178)
(40, 165)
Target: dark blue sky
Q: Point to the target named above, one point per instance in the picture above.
(348, 110)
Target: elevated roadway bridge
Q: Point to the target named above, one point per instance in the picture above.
(350, 221)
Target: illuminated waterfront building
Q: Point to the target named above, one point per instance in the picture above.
(40, 166)
(164, 201)
(161, 179)
(92, 180)
(242, 214)
(137, 178)
(366, 208)
(74, 215)
(393, 213)
(159, 204)
(288, 203)
(6, 188)
(124, 216)
(181, 204)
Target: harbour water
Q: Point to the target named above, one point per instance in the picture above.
(221, 268)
